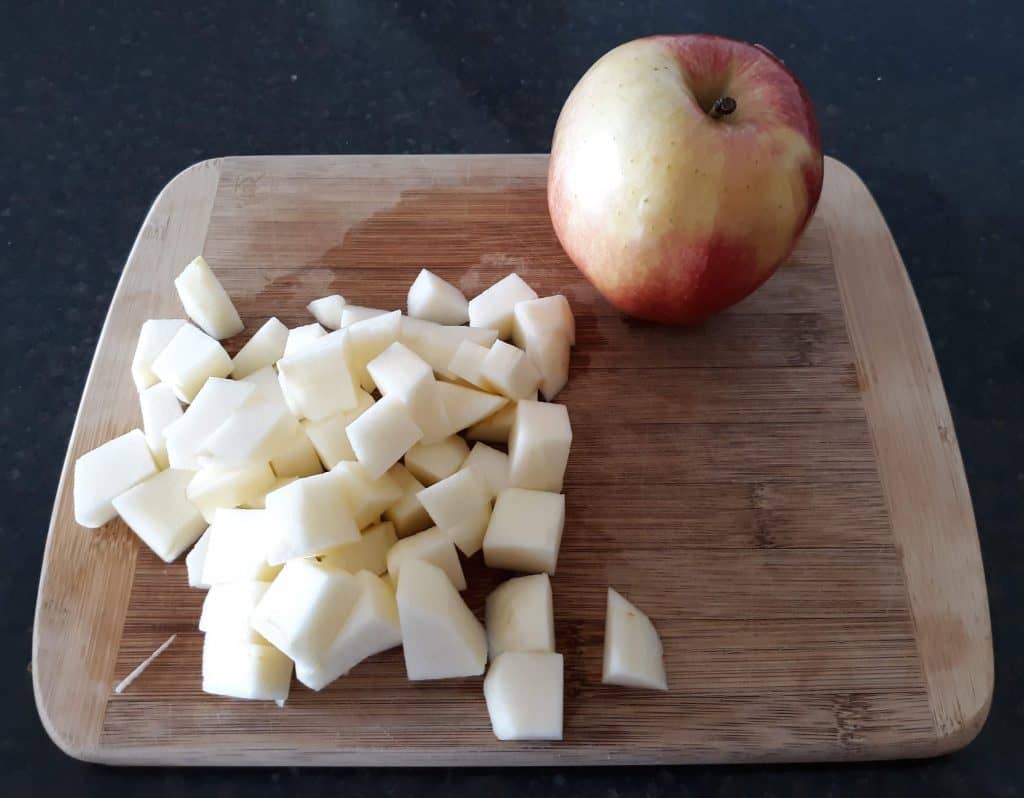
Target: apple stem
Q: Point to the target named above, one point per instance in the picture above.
(723, 106)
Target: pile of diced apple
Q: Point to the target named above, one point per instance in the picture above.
(323, 478)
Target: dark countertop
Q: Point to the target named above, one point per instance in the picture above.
(104, 102)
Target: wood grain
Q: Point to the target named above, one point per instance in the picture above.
(779, 488)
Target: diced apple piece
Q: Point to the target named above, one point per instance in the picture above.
(468, 362)
(496, 427)
(490, 465)
(236, 550)
(524, 695)
(460, 505)
(525, 531)
(431, 545)
(350, 314)
(213, 405)
(219, 487)
(509, 371)
(256, 431)
(108, 471)
(195, 561)
(369, 553)
(304, 608)
(632, 649)
(407, 514)
(316, 381)
(371, 627)
(438, 343)
(466, 407)
(190, 358)
(237, 669)
(327, 310)
(381, 435)
(520, 616)
(298, 458)
(160, 409)
(435, 299)
(400, 372)
(159, 512)
(541, 317)
(309, 516)
(434, 462)
(267, 384)
(328, 435)
(367, 497)
(494, 307)
(206, 302)
(300, 338)
(227, 610)
(441, 638)
(260, 502)
(538, 446)
(264, 349)
(550, 357)
(153, 337)
(367, 339)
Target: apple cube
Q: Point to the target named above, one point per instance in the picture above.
(298, 458)
(633, 655)
(494, 307)
(108, 471)
(538, 446)
(190, 358)
(195, 561)
(367, 497)
(206, 302)
(256, 431)
(159, 512)
(300, 338)
(160, 409)
(466, 407)
(153, 337)
(217, 487)
(525, 531)
(213, 405)
(372, 626)
(496, 427)
(327, 310)
(431, 463)
(520, 616)
(460, 505)
(227, 610)
(437, 300)
(267, 385)
(382, 434)
(438, 343)
(399, 372)
(264, 349)
(509, 371)
(237, 546)
(367, 339)
(441, 638)
(550, 357)
(431, 545)
(369, 553)
(468, 362)
(524, 695)
(309, 516)
(350, 314)
(239, 669)
(407, 514)
(316, 381)
(490, 465)
(304, 608)
(328, 435)
(542, 317)
(260, 502)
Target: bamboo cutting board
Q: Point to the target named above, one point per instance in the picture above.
(780, 489)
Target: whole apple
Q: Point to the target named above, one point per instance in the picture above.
(683, 170)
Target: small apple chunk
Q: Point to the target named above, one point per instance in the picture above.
(264, 349)
(256, 431)
(400, 372)
(309, 515)
(441, 637)
(267, 384)
(380, 436)
(260, 502)
(431, 463)
(494, 307)
(206, 302)
(490, 465)
(438, 343)
(239, 669)
(633, 655)
(237, 546)
(367, 497)
(328, 435)
(160, 409)
(538, 446)
(297, 458)
(431, 545)
(496, 427)
(217, 487)
(524, 698)
(327, 310)
(407, 514)
(195, 561)
(525, 531)
(316, 380)
(350, 314)
(520, 616)
(304, 607)
(212, 406)
(460, 505)
(372, 626)
(154, 335)
(466, 407)
(369, 553)
(367, 339)
(227, 610)
(437, 300)
(190, 358)
(159, 512)
(537, 318)
(300, 338)
(108, 471)
(468, 362)
(509, 371)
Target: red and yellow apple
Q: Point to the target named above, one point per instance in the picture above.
(683, 170)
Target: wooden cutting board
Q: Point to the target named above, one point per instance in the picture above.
(780, 489)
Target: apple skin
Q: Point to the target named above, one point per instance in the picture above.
(674, 214)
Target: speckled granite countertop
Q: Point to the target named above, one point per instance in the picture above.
(104, 102)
